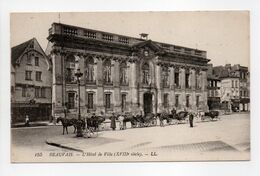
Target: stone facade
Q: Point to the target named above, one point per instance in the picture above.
(30, 82)
(123, 74)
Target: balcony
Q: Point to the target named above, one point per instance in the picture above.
(165, 85)
(91, 82)
(124, 84)
(108, 83)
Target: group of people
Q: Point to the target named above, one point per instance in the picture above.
(120, 119)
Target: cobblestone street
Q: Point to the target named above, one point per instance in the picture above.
(227, 138)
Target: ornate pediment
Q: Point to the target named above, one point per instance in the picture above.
(146, 49)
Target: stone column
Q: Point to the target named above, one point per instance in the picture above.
(100, 89)
(193, 94)
(172, 95)
(158, 87)
(133, 82)
(116, 82)
(82, 86)
(57, 84)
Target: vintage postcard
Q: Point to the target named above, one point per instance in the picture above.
(130, 86)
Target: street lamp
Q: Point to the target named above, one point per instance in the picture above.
(78, 74)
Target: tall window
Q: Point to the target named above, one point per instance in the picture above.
(23, 91)
(187, 101)
(146, 76)
(165, 100)
(70, 69)
(89, 64)
(165, 76)
(37, 92)
(43, 92)
(123, 102)
(197, 100)
(232, 83)
(108, 101)
(107, 71)
(36, 61)
(176, 79)
(196, 80)
(90, 101)
(71, 100)
(28, 75)
(123, 73)
(38, 76)
(187, 77)
(176, 100)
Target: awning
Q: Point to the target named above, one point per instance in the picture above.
(24, 105)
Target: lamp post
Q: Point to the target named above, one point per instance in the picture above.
(78, 74)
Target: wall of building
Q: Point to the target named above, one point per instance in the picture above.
(20, 71)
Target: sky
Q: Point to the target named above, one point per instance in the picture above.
(224, 35)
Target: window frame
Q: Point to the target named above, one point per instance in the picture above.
(28, 75)
(36, 61)
(38, 76)
(108, 102)
(90, 104)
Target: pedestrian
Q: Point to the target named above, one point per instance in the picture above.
(191, 117)
(27, 120)
(173, 111)
(113, 122)
(121, 120)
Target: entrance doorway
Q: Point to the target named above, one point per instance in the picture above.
(148, 104)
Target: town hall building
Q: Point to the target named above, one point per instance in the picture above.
(123, 74)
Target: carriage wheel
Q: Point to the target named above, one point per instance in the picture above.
(175, 122)
(90, 133)
(155, 122)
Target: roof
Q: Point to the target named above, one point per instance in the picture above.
(16, 51)
(212, 77)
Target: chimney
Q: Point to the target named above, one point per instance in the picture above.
(144, 36)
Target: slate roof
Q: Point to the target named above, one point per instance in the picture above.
(16, 51)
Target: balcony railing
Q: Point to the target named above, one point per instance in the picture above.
(109, 37)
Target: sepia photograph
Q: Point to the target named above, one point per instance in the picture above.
(130, 86)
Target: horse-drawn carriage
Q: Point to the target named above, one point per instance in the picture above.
(173, 118)
(211, 115)
(88, 125)
(140, 121)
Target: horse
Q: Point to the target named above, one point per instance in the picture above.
(70, 122)
(94, 122)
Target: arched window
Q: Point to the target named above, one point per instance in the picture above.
(165, 76)
(123, 73)
(70, 69)
(89, 70)
(107, 71)
(146, 76)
